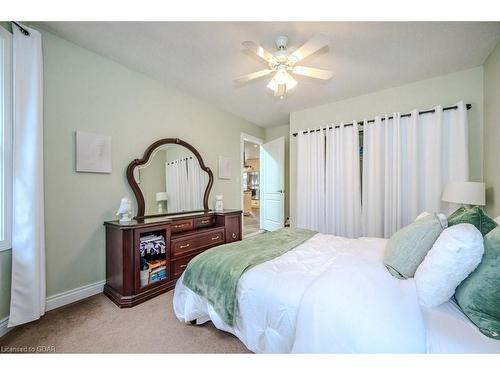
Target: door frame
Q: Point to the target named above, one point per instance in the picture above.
(250, 138)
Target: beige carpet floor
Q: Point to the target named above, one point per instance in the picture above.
(97, 325)
(251, 223)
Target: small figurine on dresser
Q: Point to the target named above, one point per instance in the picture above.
(125, 210)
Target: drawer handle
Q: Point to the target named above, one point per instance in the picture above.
(234, 236)
(184, 246)
(205, 221)
(215, 238)
(179, 225)
(183, 266)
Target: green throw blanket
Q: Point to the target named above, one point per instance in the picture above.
(214, 274)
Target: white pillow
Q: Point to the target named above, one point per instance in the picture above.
(422, 215)
(455, 254)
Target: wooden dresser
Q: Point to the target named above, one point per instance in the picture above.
(184, 235)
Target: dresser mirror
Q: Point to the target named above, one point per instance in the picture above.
(171, 178)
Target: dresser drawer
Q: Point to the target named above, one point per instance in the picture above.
(181, 225)
(179, 265)
(202, 222)
(188, 244)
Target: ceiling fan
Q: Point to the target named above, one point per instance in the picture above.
(283, 64)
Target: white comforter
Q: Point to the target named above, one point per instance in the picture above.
(332, 295)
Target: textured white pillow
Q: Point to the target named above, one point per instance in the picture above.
(422, 215)
(455, 254)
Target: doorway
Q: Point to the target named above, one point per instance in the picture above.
(262, 184)
(251, 178)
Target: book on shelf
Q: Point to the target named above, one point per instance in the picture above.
(152, 245)
(158, 275)
(152, 237)
(157, 269)
(156, 263)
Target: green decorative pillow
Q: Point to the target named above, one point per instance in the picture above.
(474, 216)
(479, 294)
(408, 247)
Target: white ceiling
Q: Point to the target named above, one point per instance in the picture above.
(202, 58)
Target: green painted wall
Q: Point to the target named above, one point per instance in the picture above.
(492, 131)
(85, 91)
(448, 89)
(6, 25)
(5, 275)
(271, 134)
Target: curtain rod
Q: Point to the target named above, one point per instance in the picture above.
(23, 30)
(468, 106)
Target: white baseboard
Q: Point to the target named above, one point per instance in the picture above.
(73, 295)
(61, 299)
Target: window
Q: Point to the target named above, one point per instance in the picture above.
(5, 139)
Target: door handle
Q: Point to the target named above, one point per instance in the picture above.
(281, 191)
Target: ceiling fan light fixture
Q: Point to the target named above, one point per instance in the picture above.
(282, 77)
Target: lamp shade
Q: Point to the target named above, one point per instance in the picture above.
(466, 192)
(161, 196)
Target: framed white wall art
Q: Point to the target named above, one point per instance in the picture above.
(93, 152)
(225, 167)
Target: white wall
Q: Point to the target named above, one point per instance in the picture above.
(465, 85)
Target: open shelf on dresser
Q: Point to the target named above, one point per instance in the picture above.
(152, 251)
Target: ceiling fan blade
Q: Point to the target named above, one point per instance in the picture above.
(249, 77)
(312, 72)
(260, 51)
(314, 44)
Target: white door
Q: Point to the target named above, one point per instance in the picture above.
(272, 195)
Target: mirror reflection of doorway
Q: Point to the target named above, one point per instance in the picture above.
(251, 188)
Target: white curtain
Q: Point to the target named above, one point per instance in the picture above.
(198, 180)
(185, 185)
(407, 161)
(310, 204)
(172, 185)
(382, 176)
(28, 231)
(342, 182)
(184, 193)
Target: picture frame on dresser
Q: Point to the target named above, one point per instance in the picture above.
(181, 235)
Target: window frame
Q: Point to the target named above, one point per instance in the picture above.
(6, 125)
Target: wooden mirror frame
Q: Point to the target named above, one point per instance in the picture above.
(145, 159)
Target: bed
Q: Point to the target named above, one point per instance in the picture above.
(333, 295)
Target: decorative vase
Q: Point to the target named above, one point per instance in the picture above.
(219, 205)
